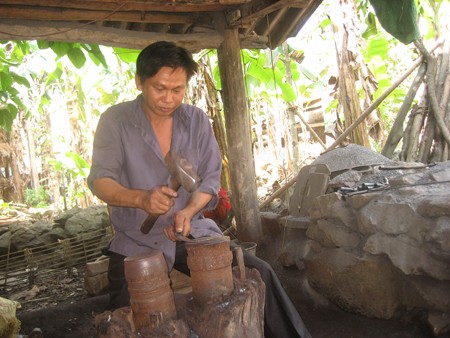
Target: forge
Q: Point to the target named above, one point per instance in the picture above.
(375, 237)
(215, 301)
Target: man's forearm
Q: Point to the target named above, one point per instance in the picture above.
(197, 202)
(113, 193)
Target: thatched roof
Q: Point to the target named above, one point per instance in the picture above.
(136, 23)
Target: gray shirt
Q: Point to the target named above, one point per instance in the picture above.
(126, 150)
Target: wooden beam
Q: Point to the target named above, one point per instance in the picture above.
(299, 21)
(58, 14)
(107, 36)
(258, 14)
(173, 6)
(240, 157)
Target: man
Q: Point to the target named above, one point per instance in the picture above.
(129, 174)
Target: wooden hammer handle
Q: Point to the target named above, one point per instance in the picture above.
(149, 222)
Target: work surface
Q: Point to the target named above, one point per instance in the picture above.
(74, 320)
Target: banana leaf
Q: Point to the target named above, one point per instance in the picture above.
(398, 18)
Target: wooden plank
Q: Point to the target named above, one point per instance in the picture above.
(296, 21)
(266, 10)
(237, 122)
(79, 15)
(163, 6)
(234, 2)
(107, 36)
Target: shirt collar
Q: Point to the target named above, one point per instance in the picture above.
(181, 123)
(180, 115)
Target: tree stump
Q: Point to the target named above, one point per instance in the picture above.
(239, 315)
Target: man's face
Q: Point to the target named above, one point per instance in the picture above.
(164, 92)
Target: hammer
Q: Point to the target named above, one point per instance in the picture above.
(181, 174)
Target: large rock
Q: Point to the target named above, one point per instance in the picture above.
(408, 255)
(333, 235)
(62, 218)
(26, 234)
(393, 217)
(335, 207)
(91, 219)
(73, 223)
(364, 285)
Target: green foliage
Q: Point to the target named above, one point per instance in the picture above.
(7, 115)
(75, 52)
(126, 55)
(55, 76)
(70, 67)
(266, 73)
(4, 205)
(73, 170)
(96, 55)
(73, 164)
(76, 56)
(265, 76)
(11, 56)
(398, 18)
(13, 81)
(433, 14)
(37, 198)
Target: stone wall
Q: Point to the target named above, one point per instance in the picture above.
(30, 232)
(379, 252)
(41, 250)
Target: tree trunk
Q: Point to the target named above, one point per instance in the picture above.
(17, 165)
(31, 155)
(427, 136)
(218, 125)
(242, 168)
(396, 133)
(434, 104)
(291, 111)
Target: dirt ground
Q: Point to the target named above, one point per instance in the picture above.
(66, 311)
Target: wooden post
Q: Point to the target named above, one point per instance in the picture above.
(237, 122)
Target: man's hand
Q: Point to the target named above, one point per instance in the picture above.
(182, 225)
(182, 219)
(158, 200)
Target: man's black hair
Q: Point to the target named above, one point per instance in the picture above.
(164, 54)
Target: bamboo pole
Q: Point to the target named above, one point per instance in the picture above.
(431, 69)
(396, 133)
(378, 101)
(311, 130)
(277, 193)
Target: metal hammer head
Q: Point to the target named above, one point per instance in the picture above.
(182, 171)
